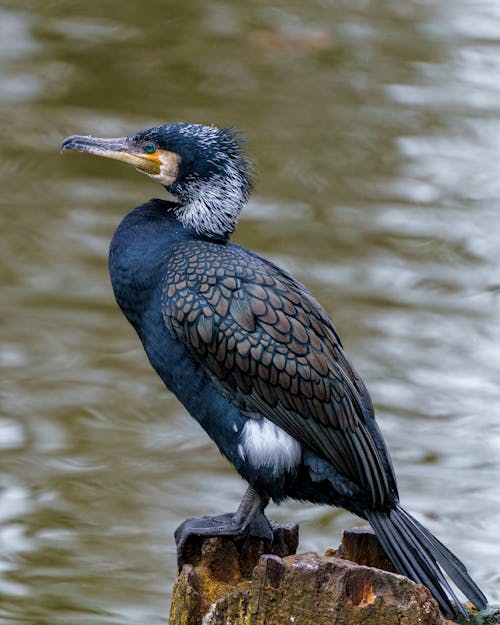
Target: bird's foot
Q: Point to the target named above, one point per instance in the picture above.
(248, 520)
(229, 524)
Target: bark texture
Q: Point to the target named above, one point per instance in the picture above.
(230, 582)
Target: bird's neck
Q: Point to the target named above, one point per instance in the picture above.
(212, 207)
(139, 249)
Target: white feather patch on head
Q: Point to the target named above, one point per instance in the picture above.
(215, 204)
(212, 205)
(264, 444)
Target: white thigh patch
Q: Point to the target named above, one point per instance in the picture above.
(264, 444)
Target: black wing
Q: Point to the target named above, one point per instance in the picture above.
(273, 348)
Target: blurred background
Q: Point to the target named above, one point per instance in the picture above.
(375, 132)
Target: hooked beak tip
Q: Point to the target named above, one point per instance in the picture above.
(95, 145)
(71, 143)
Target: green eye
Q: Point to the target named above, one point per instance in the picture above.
(149, 148)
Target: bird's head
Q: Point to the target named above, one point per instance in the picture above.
(202, 166)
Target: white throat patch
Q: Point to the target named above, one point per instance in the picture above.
(264, 444)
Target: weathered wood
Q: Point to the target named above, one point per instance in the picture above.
(230, 582)
(217, 567)
(360, 545)
(308, 589)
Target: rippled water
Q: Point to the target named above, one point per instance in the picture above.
(375, 129)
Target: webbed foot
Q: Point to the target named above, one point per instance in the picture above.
(248, 520)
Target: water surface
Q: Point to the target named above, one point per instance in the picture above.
(375, 133)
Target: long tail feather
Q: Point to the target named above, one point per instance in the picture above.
(419, 555)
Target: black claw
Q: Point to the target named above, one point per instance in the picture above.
(220, 525)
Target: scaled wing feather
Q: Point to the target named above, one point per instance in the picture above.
(269, 343)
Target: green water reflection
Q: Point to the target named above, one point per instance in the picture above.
(374, 128)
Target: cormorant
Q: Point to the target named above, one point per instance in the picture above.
(252, 355)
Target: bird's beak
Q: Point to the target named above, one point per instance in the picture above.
(120, 149)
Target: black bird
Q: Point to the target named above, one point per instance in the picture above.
(252, 355)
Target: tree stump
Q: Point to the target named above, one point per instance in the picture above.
(225, 581)
(220, 566)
